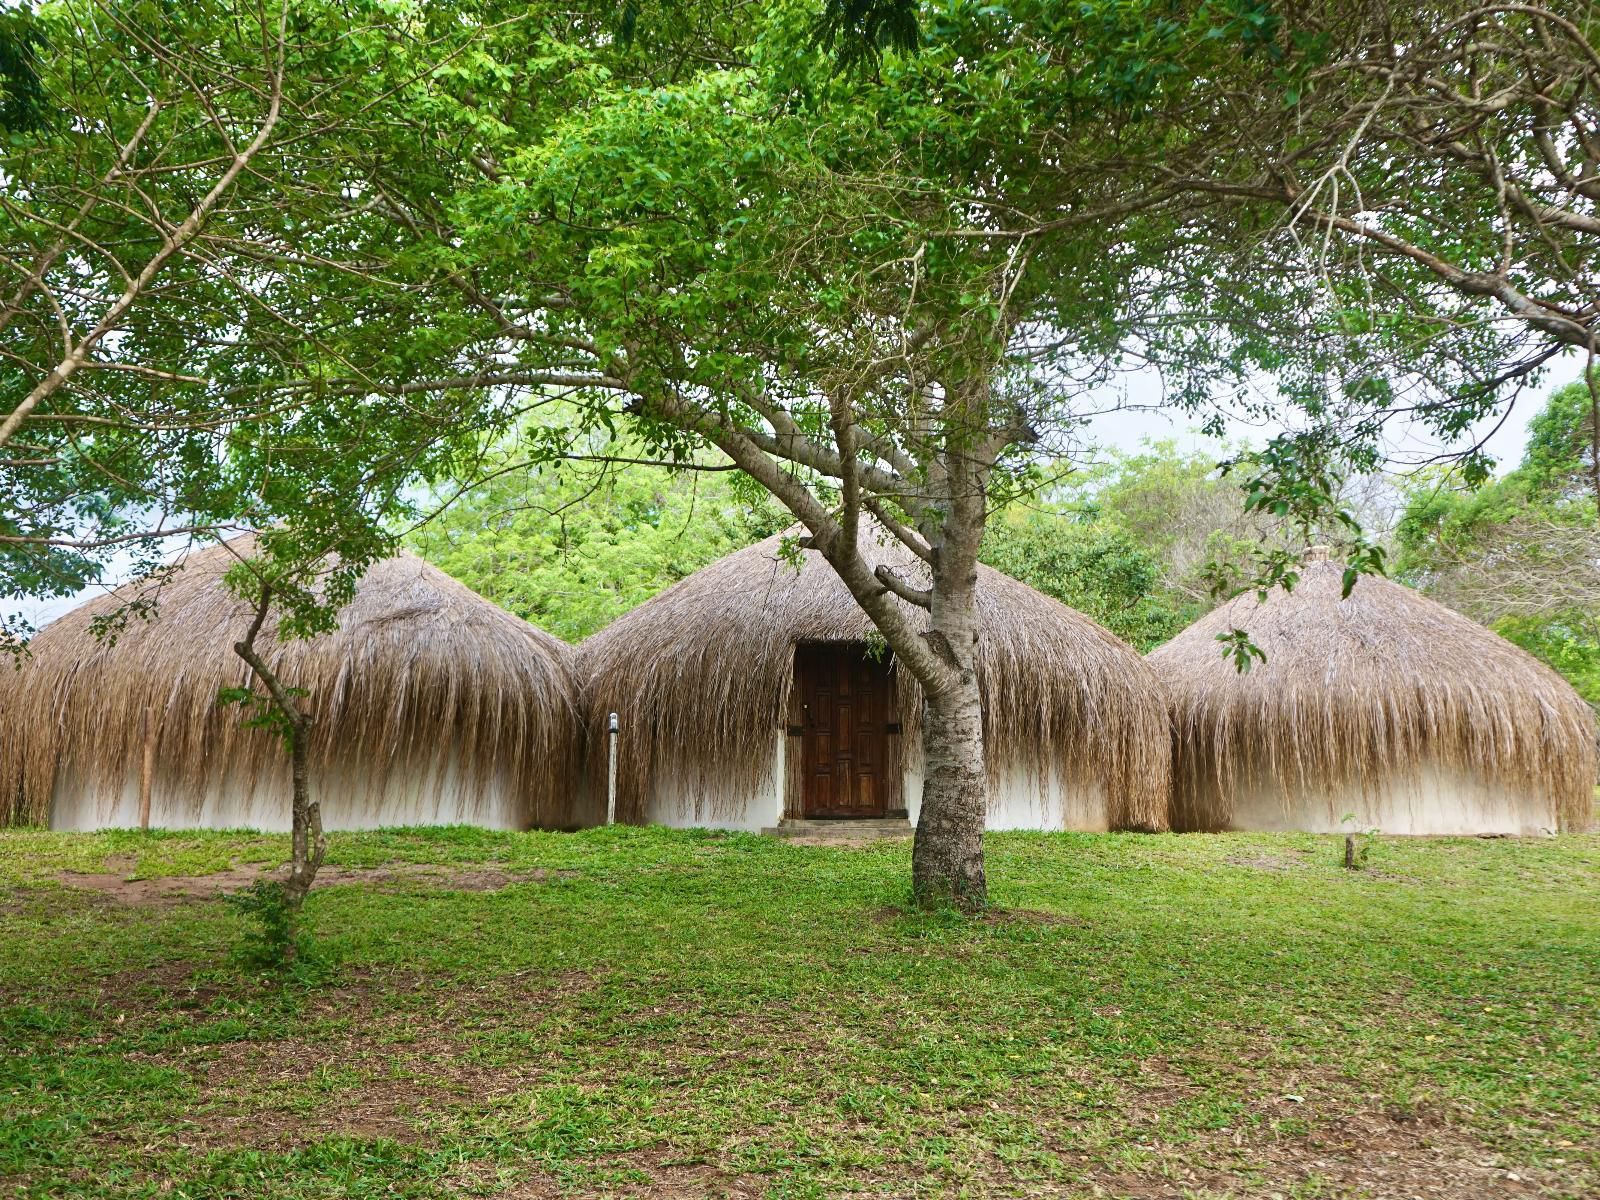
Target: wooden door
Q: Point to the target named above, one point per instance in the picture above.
(845, 699)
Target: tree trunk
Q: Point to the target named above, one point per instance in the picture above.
(947, 855)
(308, 842)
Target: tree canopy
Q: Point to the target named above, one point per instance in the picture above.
(210, 317)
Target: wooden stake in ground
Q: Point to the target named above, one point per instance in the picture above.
(147, 769)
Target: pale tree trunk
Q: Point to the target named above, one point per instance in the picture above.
(947, 855)
(308, 842)
(949, 508)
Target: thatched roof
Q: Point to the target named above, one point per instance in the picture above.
(418, 663)
(700, 677)
(1360, 692)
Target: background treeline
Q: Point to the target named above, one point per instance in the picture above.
(1144, 543)
(1522, 553)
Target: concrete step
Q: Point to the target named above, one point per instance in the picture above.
(871, 829)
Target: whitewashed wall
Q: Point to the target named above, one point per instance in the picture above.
(425, 795)
(1022, 800)
(1435, 801)
(678, 808)
(1025, 800)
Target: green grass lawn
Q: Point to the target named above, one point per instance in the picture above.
(678, 1014)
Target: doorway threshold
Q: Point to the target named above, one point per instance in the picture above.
(841, 831)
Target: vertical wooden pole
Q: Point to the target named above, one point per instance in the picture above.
(147, 769)
(611, 774)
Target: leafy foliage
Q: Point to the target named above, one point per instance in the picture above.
(1238, 649)
(1560, 461)
(1368, 204)
(1143, 542)
(274, 938)
(1091, 566)
(203, 327)
(1569, 641)
(22, 97)
(857, 32)
(572, 546)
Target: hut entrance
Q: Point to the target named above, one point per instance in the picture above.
(846, 701)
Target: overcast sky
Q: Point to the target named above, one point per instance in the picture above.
(1126, 428)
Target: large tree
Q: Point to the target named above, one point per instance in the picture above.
(886, 287)
(840, 284)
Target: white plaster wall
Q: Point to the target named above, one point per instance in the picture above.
(1025, 800)
(676, 807)
(425, 795)
(1434, 801)
(1022, 800)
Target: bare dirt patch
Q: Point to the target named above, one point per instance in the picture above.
(178, 889)
(1355, 1154)
(393, 1059)
(1309, 1133)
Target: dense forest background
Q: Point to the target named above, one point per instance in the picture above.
(1144, 543)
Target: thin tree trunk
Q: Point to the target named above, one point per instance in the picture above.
(308, 842)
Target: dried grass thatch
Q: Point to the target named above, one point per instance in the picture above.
(1359, 693)
(700, 677)
(418, 667)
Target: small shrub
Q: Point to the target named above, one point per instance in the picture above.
(1357, 845)
(272, 936)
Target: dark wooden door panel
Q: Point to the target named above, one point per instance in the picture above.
(845, 699)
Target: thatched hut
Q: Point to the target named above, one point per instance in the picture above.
(1384, 710)
(749, 692)
(430, 704)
